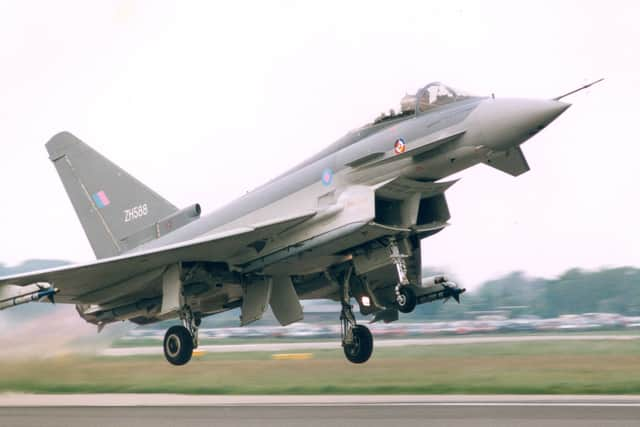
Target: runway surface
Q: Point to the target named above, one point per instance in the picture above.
(311, 411)
(335, 344)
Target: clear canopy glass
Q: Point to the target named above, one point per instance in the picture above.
(431, 96)
(436, 94)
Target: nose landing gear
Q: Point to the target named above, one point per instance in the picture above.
(406, 299)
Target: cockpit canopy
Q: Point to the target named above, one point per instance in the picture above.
(431, 96)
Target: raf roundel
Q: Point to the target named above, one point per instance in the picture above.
(327, 177)
(399, 146)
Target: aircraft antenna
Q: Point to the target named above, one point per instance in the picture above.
(558, 98)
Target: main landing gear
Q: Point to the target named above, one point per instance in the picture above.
(357, 341)
(406, 299)
(180, 340)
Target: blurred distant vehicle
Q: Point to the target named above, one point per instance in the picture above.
(517, 326)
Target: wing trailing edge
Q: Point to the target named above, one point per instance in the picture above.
(78, 283)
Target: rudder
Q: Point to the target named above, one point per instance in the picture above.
(110, 203)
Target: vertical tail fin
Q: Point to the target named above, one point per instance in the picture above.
(110, 203)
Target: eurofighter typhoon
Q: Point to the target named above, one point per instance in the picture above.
(344, 225)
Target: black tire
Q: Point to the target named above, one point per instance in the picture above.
(359, 351)
(407, 300)
(178, 345)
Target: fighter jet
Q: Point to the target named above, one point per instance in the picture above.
(344, 225)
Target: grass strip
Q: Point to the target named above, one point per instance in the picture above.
(577, 367)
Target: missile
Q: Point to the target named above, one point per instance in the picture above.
(439, 287)
(434, 280)
(23, 298)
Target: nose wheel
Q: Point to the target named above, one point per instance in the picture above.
(406, 299)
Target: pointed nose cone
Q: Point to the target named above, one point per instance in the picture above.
(560, 107)
(537, 113)
(509, 122)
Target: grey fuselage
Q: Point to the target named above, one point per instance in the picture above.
(490, 125)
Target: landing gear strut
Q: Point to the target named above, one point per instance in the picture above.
(406, 299)
(180, 340)
(357, 341)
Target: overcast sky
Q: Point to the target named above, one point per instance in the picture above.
(205, 101)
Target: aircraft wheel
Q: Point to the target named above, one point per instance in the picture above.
(406, 300)
(178, 345)
(360, 349)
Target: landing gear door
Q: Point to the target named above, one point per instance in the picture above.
(172, 299)
(285, 303)
(255, 300)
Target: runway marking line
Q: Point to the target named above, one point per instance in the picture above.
(144, 400)
(292, 356)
